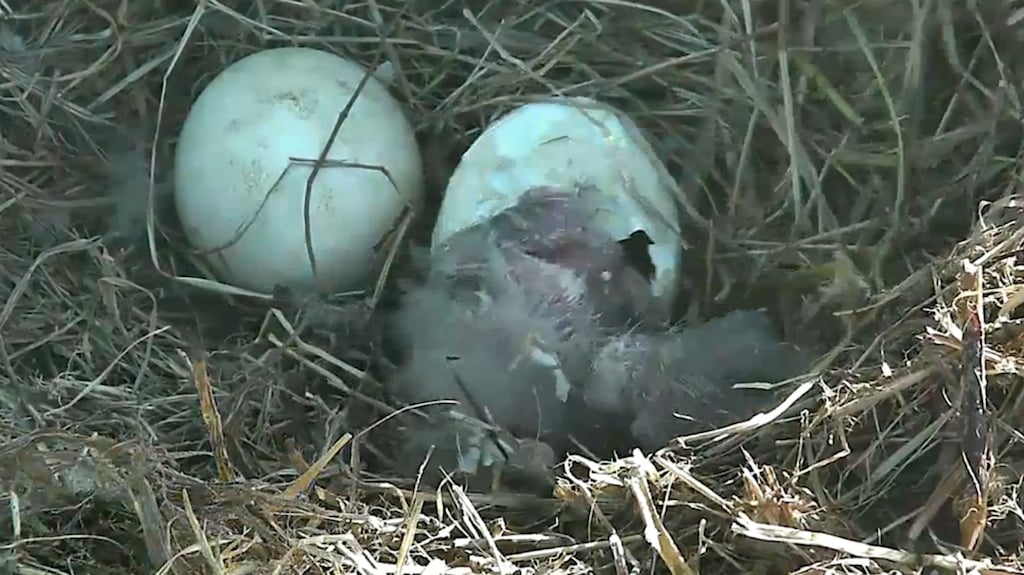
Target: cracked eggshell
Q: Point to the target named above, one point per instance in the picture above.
(565, 143)
(239, 137)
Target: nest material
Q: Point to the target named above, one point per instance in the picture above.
(852, 167)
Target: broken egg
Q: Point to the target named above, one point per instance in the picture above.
(246, 152)
(572, 143)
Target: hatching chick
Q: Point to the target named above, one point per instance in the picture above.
(683, 381)
(505, 345)
(553, 226)
(512, 310)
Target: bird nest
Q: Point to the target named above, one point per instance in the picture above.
(851, 167)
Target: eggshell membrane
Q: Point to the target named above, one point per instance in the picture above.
(238, 139)
(565, 143)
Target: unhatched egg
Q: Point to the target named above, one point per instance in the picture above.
(263, 121)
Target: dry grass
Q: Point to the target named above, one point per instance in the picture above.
(854, 166)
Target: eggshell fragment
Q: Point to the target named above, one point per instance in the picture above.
(253, 121)
(570, 143)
